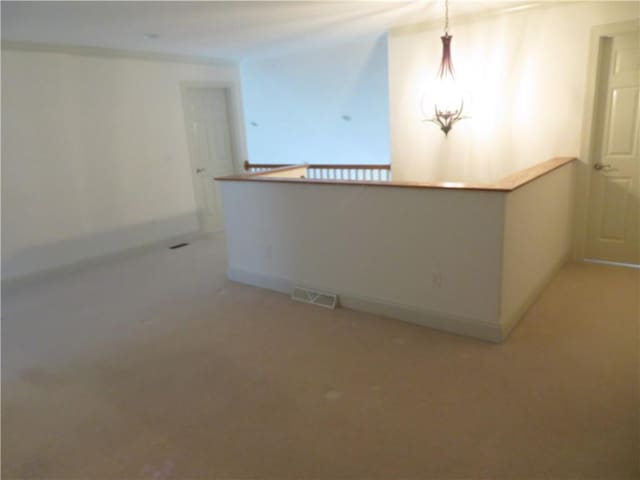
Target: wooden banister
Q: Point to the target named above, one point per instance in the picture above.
(343, 166)
(381, 176)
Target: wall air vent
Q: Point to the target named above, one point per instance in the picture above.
(322, 299)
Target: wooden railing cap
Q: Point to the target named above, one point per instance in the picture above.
(507, 184)
(342, 166)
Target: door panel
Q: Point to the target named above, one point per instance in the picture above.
(627, 60)
(210, 144)
(615, 192)
(613, 232)
(624, 115)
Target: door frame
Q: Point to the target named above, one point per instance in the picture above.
(583, 175)
(236, 127)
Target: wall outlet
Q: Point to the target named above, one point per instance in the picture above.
(436, 280)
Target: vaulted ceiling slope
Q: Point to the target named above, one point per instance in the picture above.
(234, 30)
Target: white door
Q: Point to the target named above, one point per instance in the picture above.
(615, 172)
(210, 144)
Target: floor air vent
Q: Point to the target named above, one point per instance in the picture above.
(322, 299)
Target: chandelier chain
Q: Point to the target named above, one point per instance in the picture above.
(446, 17)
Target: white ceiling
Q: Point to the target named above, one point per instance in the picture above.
(233, 30)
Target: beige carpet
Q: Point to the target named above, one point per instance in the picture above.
(156, 367)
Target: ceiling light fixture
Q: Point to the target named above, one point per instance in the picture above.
(449, 104)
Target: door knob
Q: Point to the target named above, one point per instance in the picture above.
(200, 170)
(600, 166)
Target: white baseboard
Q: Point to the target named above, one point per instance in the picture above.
(612, 264)
(462, 326)
(17, 281)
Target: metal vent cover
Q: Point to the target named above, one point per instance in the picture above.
(314, 297)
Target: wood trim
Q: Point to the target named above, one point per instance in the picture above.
(351, 166)
(252, 175)
(583, 175)
(518, 179)
(305, 181)
(341, 166)
(114, 53)
(248, 165)
(507, 184)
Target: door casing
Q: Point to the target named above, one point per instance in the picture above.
(236, 128)
(583, 178)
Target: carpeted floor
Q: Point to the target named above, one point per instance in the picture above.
(156, 367)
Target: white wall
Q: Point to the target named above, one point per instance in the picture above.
(298, 102)
(377, 247)
(524, 74)
(94, 155)
(537, 239)
(464, 261)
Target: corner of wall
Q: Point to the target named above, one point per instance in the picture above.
(524, 226)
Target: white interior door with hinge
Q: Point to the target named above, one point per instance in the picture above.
(613, 231)
(210, 145)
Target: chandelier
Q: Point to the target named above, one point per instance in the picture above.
(448, 105)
